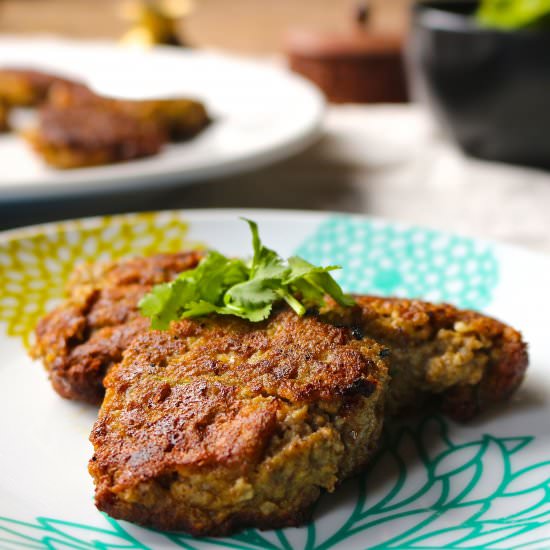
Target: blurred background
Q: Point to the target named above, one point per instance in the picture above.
(458, 141)
(244, 26)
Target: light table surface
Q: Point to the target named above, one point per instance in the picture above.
(386, 161)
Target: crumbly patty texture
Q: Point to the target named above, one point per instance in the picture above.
(90, 136)
(458, 361)
(219, 424)
(180, 118)
(83, 337)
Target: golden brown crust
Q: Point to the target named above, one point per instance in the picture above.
(65, 95)
(82, 338)
(180, 118)
(460, 360)
(290, 357)
(219, 423)
(4, 118)
(88, 136)
(26, 88)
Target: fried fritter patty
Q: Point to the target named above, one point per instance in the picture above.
(87, 136)
(26, 88)
(220, 423)
(82, 338)
(4, 118)
(460, 361)
(180, 118)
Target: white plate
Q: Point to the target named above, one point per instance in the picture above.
(436, 484)
(262, 114)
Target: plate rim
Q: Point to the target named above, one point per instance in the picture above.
(310, 133)
(231, 213)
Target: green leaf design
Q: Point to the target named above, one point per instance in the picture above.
(457, 459)
(54, 533)
(511, 507)
(407, 516)
(467, 495)
(529, 479)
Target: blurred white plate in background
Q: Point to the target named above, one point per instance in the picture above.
(261, 114)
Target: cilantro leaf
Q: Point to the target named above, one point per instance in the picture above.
(316, 282)
(165, 301)
(255, 292)
(266, 263)
(229, 286)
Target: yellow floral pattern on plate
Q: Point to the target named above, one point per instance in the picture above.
(33, 270)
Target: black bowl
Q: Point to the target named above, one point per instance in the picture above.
(490, 89)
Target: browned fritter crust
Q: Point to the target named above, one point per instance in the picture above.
(180, 118)
(26, 88)
(79, 340)
(219, 423)
(460, 361)
(4, 118)
(73, 94)
(88, 136)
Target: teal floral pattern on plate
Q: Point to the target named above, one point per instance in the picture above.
(387, 259)
(469, 495)
(431, 486)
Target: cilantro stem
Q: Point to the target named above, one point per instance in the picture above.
(292, 302)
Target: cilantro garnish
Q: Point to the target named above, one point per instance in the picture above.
(230, 286)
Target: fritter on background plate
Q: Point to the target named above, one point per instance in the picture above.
(26, 88)
(4, 118)
(181, 118)
(87, 136)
